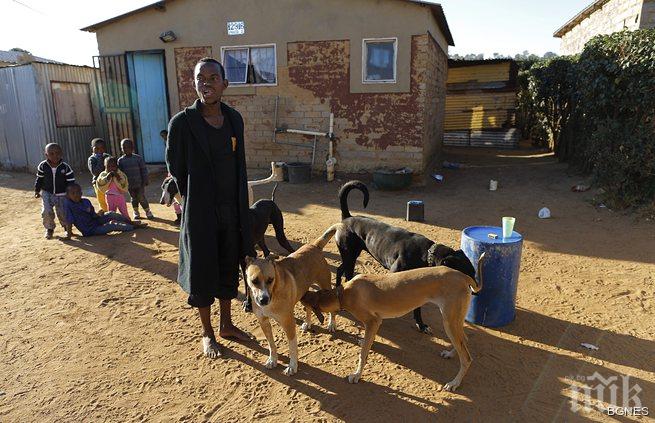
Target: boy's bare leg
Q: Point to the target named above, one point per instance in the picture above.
(210, 347)
(227, 328)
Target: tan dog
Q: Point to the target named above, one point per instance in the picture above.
(277, 284)
(371, 298)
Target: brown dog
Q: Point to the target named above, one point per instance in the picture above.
(372, 298)
(277, 284)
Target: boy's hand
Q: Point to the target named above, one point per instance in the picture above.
(37, 194)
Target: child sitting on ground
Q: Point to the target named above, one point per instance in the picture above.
(80, 212)
(176, 205)
(52, 177)
(113, 183)
(96, 164)
(137, 177)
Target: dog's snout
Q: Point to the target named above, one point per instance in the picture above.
(263, 300)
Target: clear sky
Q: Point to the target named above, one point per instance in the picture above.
(50, 28)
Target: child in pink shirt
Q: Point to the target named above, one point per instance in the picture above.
(113, 183)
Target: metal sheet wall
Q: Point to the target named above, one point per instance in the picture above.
(21, 123)
(75, 140)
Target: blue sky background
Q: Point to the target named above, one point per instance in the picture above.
(50, 28)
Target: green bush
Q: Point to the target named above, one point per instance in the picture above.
(597, 110)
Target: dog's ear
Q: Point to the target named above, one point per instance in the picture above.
(248, 260)
(272, 257)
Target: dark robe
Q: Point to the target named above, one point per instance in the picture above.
(189, 162)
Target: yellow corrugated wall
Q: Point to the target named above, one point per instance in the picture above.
(482, 73)
(479, 109)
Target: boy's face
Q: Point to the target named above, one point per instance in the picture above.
(209, 82)
(111, 166)
(99, 148)
(74, 194)
(128, 148)
(53, 154)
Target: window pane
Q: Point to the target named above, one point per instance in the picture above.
(236, 65)
(72, 104)
(262, 60)
(380, 61)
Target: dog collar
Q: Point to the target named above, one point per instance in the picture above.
(431, 261)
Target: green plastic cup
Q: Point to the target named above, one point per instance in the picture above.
(508, 226)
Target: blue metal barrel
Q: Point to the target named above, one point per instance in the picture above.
(495, 305)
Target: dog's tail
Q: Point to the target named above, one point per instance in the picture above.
(478, 285)
(322, 241)
(343, 196)
(273, 193)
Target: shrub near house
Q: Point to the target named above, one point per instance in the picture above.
(597, 112)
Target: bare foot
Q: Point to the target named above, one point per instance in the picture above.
(210, 347)
(233, 332)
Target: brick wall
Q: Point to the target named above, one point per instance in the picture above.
(435, 99)
(372, 130)
(614, 16)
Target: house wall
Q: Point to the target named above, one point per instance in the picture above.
(613, 16)
(647, 19)
(319, 65)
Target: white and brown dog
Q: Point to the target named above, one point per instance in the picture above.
(277, 284)
(372, 298)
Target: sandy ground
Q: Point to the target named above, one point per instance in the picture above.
(96, 329)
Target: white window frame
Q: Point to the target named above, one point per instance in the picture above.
(246, 84)
(395, 60)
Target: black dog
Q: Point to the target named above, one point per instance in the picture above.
(396, 249)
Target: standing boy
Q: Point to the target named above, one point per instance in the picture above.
(96, 164)
(53, 175)
(134, 167)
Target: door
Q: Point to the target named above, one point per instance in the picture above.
(115, 105)
(148, 83)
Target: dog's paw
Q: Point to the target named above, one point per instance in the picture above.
(448, 353)
(451, 386)
(271, 363)
(424, 329)
(332, 327)
(306, 327)
(354, 378)
(291, 369)
(360, 341)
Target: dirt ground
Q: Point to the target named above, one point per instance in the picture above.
(96, 329)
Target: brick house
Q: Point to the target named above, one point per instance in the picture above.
(378, 67)
(604, 17)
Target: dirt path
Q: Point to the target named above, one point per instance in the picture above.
(96, 329)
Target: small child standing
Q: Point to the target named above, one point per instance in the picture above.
(176, 205)
(137, 176)
(96, 164)
(113, 183)
(80, 212)
(53, 175)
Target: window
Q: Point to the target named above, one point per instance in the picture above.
(72, 103)
(253, 65)
(379, 60)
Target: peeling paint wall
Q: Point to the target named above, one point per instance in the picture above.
(185, 61)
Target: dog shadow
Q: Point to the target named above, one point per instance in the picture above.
(342, 400)
(530, 381)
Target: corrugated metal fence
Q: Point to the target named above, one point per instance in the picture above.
(28, 116)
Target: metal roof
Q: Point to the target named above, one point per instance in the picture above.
(584, 14)
(15, 56)
(437, 12)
